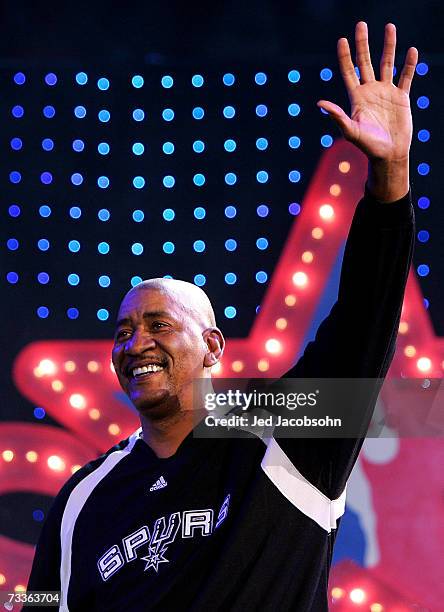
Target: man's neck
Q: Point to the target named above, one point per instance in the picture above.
(164, 437)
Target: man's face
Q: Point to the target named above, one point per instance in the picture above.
(158, 351)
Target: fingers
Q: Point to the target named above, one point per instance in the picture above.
(338, 115)
(408, 71)
(388, 53)
(346, 65)
(363, 53)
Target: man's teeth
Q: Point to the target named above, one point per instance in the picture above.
(148, 368)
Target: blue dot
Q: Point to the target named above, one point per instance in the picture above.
(423, 270)
(257, 309)
(81, 78)
(78, 145)
(198, 112)
(137, 81)
(169, 181)
(423, 236)
(230, 312)
(229, 112)
(19, 78)
(167, 81)
(261, 110)
(12, 277)
(138, 148)
(261, 276)
(294, 142)
(230, 178)
(326, 140)
(12, 244)
(294, 76)
(230, 212)
(198, 146)
(104, 214)
(167, 276)
(74, 246)
(50, 79)
(262, 176)
(104, 280)
(137, 248)
(80, 112)
(138, 216)
(38, 515)
(76, 178)
(75, 212)
(14, 210)
(43, 244)
(45, 211)
(46, 178)
(230, 244)
(104, 116)
(103, 84)
(103, 248)
(103, 148)
(426, 303)
(423, 169)
(199, 246)
(136, 280)
(168, 114)
(200, 280)
(423, 135)
(262, 210)
(16, 144)
(230, 145)
(15, 177)
(422, 68)
(423, 102)
(49, 111)
(18, 111)
(200, 212)
(42, 312)
(294, 176)
(168, 148)
(39, 412)
(358, 74)
(169, 214)
(43, 278)
(138, 114)
(326, 74)
(197, 80)
(228, 79)
(72, 313)
(47, 144)
(103, 182)
(230, 278)
(294, 109)
(261, 143)
(262, 244)
(260, 78)
(199, 180)
(102, 314)
(168, 247)
(294, 208)
(73, 279)
(423, 202)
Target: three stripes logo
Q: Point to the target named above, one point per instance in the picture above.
(159, 484)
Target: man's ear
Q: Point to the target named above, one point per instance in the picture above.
(215, 343)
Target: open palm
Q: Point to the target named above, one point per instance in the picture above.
(381, 121)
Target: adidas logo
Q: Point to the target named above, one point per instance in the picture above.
(159, 484)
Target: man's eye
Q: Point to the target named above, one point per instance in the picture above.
(158, 325)
(121, 334)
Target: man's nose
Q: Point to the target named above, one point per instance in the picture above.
(140, 341)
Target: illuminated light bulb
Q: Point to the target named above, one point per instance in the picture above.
(56, 463)
(19, 588)
(273, 346)
(281, 323)
(410, 351)
(217, 368)
(263, 365)
(442, 364)
(94, 414)
(335, 189)
(317, 233)
(424, 364)
(37, 372)
(8, 455)
(70, 366)
(344, 167)
(290, 300)
(237, 366)
(337, 593)
(403, 327)
(300, 279)
(93, 366)
(326, 212)
(376, 607)
(31, 456)
(57, 386)
(47, 367)
(2, 579)
(111, 367)
(77, 401)
(357, 595)
(307, 257)
(113, 429)
(74, 468)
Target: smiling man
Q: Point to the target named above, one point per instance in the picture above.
(168, 521)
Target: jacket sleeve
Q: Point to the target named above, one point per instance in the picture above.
(357, 339)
